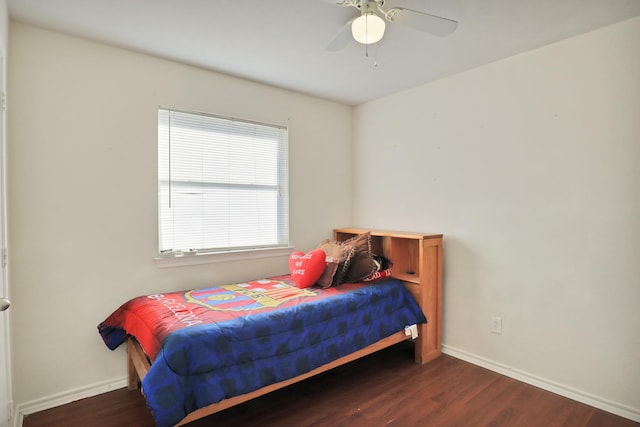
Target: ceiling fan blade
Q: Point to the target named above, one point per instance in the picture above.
(342, 39)
(421, 21)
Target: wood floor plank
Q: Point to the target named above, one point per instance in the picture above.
(384, 389)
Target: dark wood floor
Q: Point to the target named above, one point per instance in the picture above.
(384, 389)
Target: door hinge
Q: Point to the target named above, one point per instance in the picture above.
(3, 101)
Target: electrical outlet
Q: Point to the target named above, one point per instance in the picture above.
(496, 325)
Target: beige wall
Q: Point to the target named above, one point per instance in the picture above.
(82, 193)
(5, 362)
(531, 168)
(4, 23)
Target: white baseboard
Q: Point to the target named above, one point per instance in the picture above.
(63, 398)
(545, 384)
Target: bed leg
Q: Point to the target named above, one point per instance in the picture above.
(425, 351)
(132, 375)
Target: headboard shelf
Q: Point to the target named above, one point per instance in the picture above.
(417, 262)
(407, 277)
(350, 232)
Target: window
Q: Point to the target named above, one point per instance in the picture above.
(222, 183)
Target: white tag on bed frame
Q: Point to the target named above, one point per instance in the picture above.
(411, 331)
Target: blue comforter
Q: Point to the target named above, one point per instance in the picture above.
(206, 363)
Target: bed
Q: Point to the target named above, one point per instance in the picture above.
(197, 352)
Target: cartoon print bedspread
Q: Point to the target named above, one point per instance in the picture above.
(210, 344)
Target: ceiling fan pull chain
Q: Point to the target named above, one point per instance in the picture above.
(375, 58)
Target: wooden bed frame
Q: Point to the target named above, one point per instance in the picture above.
(417, 262)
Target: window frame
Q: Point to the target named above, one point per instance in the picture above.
(228, 253)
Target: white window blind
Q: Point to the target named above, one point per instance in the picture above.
(223, 183)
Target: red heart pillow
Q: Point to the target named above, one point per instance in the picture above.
(306, 269)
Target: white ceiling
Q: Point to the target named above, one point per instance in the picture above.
(282, 42)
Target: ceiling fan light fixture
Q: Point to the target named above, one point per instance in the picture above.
(368, 28)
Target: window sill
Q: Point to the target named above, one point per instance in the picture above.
(217, 257)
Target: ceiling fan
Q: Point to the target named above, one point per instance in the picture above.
(368, 28)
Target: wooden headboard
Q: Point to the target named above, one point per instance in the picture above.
(417, 261)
